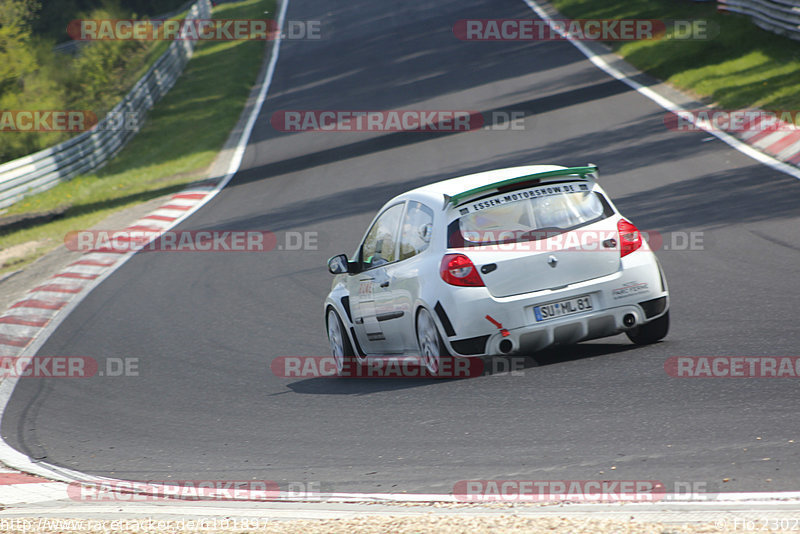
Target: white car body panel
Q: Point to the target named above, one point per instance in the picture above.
(378, 306)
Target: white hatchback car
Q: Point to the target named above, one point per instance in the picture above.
(506, 261)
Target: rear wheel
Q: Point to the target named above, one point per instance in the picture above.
(431, 348)
(341, 349)
(650, 332)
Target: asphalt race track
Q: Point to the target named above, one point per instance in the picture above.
(205, 327)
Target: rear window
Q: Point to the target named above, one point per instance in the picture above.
(526, 215)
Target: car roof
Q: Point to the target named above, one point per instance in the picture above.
(437, 192)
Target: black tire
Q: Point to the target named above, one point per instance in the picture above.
(650, 332)
(341, 348)
(435, 358)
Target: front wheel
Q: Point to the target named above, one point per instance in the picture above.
(341, 349)
(431, 348)
(650, 332)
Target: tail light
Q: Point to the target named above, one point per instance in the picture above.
(458, 270)
(630, 238)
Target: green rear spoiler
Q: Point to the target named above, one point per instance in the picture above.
(570, 171)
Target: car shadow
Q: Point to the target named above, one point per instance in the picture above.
(568, 353)
(477, 369)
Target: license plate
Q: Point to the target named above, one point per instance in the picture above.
(562, 308)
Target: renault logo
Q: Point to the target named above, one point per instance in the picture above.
(552, 261)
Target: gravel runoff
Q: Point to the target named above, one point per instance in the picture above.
(370, 525)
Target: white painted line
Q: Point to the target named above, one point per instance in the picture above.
(664, 102)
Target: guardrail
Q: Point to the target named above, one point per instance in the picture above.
(85, 152)
(778, 16)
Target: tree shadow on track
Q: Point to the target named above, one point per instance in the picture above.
(394, 140)
(369, 198)
(722, 198)
(367, 51)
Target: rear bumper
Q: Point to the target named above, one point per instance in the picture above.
(567, 330)
(638, 291)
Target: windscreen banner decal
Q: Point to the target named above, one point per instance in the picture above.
(525, 194)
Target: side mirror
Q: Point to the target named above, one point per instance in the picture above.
(339, 264)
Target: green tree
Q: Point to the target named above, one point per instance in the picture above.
(101, 72)
(54, 15)
(24, 84)
(17, 57)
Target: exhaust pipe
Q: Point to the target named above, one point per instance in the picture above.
(629, 320)
(506, 346)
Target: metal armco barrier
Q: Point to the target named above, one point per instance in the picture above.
(778, 16)
(85, 152)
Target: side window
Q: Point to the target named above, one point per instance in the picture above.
(378, 247)
(416, 230)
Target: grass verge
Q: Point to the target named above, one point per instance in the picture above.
(742, 66)
(182, 135)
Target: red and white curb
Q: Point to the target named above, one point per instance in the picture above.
(781, 141)
(27, 318)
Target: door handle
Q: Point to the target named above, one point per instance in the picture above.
(385, 284)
